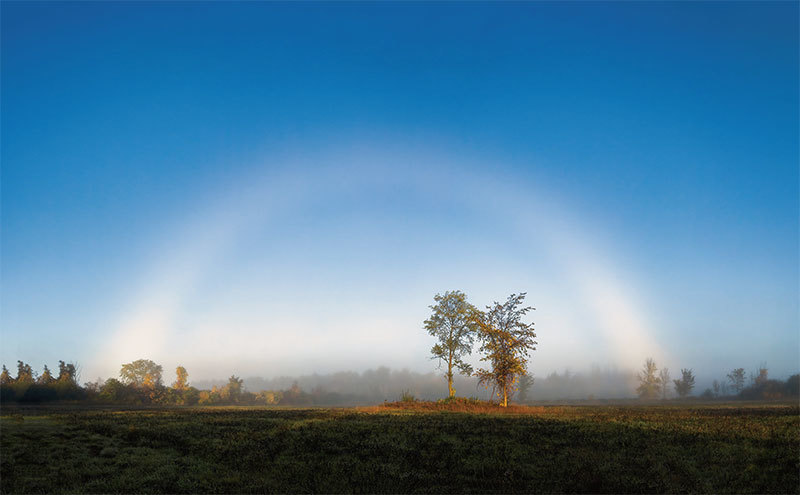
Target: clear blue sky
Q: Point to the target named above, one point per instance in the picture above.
(242, 186)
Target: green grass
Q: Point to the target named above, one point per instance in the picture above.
(720, 449)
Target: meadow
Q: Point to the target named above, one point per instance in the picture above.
(403, 448)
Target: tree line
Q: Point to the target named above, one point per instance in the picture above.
(140, 383)
(44, 387)
(655, 384)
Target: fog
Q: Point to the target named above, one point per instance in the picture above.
(385, 384)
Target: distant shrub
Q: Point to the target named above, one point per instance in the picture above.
(471, 401)
(6, 393)
(407, 396)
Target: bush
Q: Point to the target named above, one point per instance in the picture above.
(771, 389)
(7, 393)
(407, 396)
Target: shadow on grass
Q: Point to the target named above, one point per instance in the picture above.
(343, 451)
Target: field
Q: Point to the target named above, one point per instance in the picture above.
(732, 448)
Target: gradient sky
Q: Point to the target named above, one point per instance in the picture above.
(266, 188)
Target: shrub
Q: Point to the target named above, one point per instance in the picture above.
(407, 396)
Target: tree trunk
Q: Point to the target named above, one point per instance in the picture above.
(505, 397)
(450, 376)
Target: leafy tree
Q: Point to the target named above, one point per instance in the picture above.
(663, 380)
(181, 380)
(684, 386)
(141, 373)
(24, 373)
(506, 342)
(649, 384)
(736, 377)
(525, 384)
(793, 386)
(114, 390)
(46, 378)
(269, 397)
(67, 373)
(5, 377)
(293, 394)
(454, 324)
(233, 390)
(761, 376)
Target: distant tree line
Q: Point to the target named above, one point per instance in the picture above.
(655, 384)
(140, 383)
(346, 388)
(29, 387)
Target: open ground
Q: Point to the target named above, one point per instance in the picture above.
(404, 448)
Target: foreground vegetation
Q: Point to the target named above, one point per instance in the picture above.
(403, 447)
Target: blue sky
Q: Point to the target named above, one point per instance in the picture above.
(252, 187)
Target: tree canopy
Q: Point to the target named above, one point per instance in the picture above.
(141, 373)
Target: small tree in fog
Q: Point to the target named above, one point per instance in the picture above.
(506, 341)
(736, 378)
(716, 388)
(684, 386)
(141, 373)
(181, 378)
(649, 384)
(525, 384)
(454, 324)
(233, 390)
(761, 376)
(663, 379)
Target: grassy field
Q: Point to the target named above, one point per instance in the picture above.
(717, 448)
